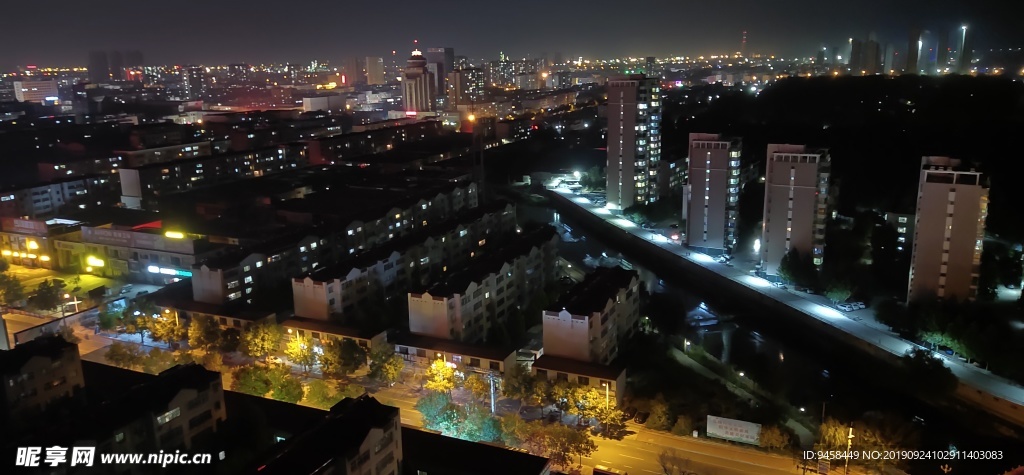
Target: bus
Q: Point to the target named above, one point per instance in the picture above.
(602, 470)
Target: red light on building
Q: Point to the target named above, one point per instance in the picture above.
(31, 66)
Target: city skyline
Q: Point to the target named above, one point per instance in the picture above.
(561, 28)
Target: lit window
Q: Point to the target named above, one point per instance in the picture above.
(168, 416)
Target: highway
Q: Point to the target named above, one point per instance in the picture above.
(859, 324)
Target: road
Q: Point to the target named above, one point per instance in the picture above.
(859, 323)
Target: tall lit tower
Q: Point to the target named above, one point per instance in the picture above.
(743, 45)
(634, 140)
(964, 61)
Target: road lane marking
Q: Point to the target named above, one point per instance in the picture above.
(632, 457)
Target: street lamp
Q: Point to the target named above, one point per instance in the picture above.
(849, 442)
(606, 403)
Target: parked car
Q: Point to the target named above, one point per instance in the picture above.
(845, 307)
(779, 285)
(641, 417)
(858, 305)
(674, 226)
(274, 360)
(628, 413)
(126, 289)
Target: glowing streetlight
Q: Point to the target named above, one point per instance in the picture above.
(606, 403)
(576, 174)
(757, 245)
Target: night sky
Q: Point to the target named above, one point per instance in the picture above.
(61, 32)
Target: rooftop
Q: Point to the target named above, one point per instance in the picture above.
(338, 436)
(592, 294)
(12, 361)
(312, 324)
(420, 450)
(493, 261)
(570, 366)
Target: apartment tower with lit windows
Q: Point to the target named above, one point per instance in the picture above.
(949, 227)
(795, 204)
(634, 140)
(712, 193)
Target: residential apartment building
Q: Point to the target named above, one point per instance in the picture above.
(590, 320)
(414, 259)
(949, 228)
(35, 375)
(360, 436)
(634, 140)
(795, 204)
(712, 194)
(904, 226)
(365, 140)
(374, 215)
(44, 200)
(467, 304)
(175, 410)
(467, 86)
(143, 186)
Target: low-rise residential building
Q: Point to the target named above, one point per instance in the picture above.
(414, 259)
(423, 350)
(467, 304)
(328, 150)
(421, 449)
(591, 319)
(36, 374)
(359, 436)
(610, 379)
(320, 331)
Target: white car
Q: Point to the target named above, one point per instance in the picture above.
(858, 305)
(845, 307)
(274, 360)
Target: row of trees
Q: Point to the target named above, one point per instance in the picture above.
(970, 329)
(474, 421)
(129, 356)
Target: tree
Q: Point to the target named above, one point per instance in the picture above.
(517, 382)
(108, 319)
(251, 380)
(123, 355)
(350, 390)
(286, 387)
(137, 325)
(203, 332)
(683, 425)
(477, 386)
(440, 413)
(321, 395)
(479, 425)
(341, 358)
(612, 422)
(385, 365)
(774, 438)
(261, 339)
(838, 292)
(661, 417)
(11, 290)
(672, 463)
(514, 430)
(565, 444)
(832, 435)
(167, 328)
(4, 265)
(798, 269)
(48, 295)
(157, 361)
(440, 376)
(300, 350)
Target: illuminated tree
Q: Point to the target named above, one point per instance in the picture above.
(203, 332)
(261, 339)
(341, 358)
(440, 377)
(301, 352)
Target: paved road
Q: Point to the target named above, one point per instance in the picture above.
(859, 323)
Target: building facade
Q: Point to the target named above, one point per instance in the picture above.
(589, 322)
(795, 204)
(37, 92)
(712, 193)
(634, 140)
(419, 88)
(949, 228)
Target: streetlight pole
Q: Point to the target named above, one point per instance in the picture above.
(606, 399)
(491, 377)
